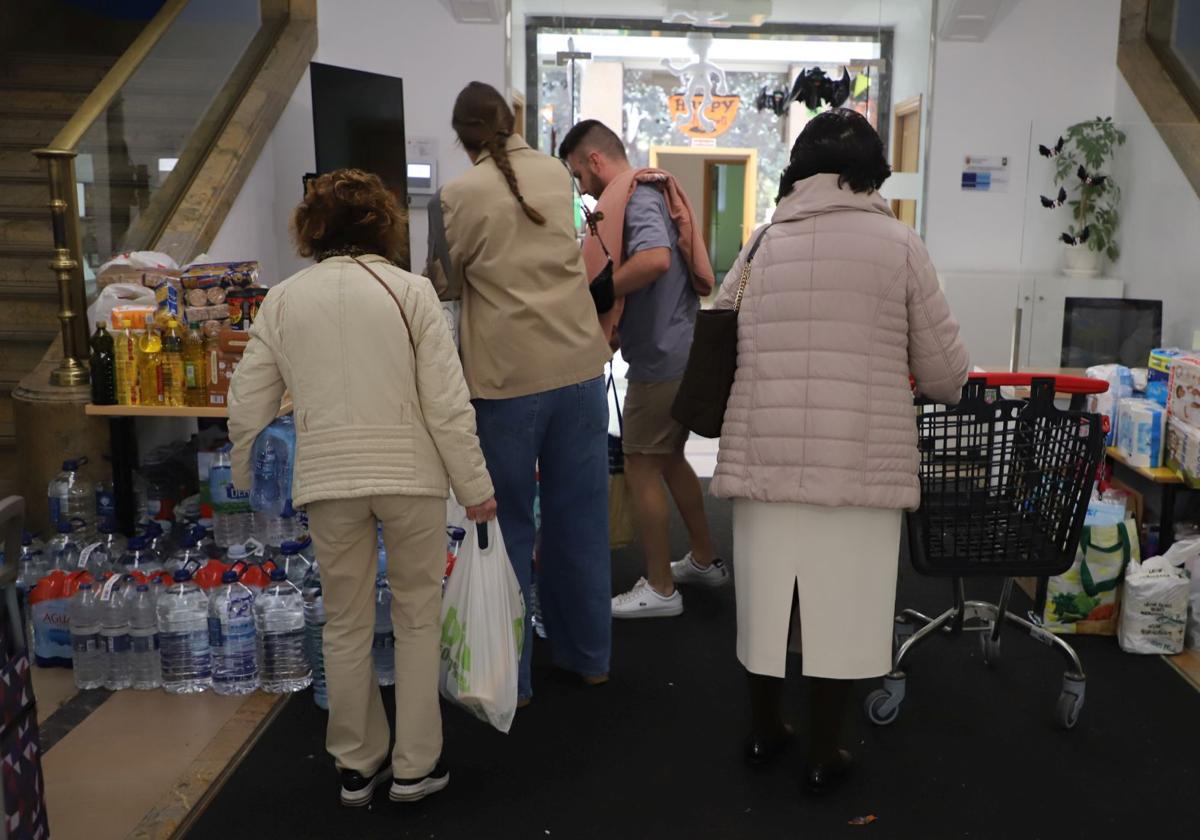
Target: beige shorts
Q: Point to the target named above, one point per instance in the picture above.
(649, 427)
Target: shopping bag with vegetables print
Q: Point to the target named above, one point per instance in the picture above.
(1086, 598)
(483, 628)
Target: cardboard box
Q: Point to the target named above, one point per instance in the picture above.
(1158, 373)
(1141, 432)
(222, 363)
(1183, 399)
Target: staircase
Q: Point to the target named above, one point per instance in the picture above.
(38, 94)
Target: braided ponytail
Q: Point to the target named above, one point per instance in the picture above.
(483, 121)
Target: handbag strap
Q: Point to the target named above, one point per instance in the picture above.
(589, 217)
(388, 289)
(1123, 545)
(737, 303)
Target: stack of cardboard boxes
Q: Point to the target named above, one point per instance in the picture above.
(1183, 418)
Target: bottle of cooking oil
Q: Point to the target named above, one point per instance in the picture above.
(172, 364)
(150, 366)
(104, 370)
(195, 369)
(127, 364)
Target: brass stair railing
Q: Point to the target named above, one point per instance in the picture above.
(142, 133)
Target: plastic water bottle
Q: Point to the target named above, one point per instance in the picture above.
(145, 665)
(279, 615)
(314, 633)
(182, 612)
(268, 495)
(63, 550)
(306, 548)
(158, 539)
(189, 550)
(294, 564)
(106, 502)
(32, 568)
(86, 656)
(114, 603)
(70, 496)
(139, 557)
(106, 553)
(383, 648)
(455, 535)
(232, 519)
(231, 635)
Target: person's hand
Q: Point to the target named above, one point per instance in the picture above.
(485, 512)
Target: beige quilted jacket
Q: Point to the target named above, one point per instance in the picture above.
(364, 425)
(841, 307)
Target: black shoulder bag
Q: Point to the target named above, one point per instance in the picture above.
(712, 362)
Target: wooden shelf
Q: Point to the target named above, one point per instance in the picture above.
(1159, 475)
(153, 411)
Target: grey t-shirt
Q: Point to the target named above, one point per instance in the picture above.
(656, 329)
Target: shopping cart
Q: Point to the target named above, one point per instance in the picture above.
(1005, 484)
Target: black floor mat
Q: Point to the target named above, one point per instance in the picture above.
(657, 752)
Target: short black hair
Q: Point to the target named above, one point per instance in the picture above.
(838, 142)
(592, 134)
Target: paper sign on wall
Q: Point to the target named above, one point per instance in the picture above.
(985, 173)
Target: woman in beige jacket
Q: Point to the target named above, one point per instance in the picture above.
(383, 429)
(819, 444)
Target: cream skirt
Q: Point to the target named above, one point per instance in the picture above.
(843, 563)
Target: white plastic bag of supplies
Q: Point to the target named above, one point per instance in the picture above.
(1154, 611)
(117, 294)
(483, 627)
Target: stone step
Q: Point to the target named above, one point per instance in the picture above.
(28, 227)
(83, 72)
(29, 313)
(18, 159)
(19, 268)
(16, 128)
(22, 350)
(33, 99)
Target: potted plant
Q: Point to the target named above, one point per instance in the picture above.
(1081, 159)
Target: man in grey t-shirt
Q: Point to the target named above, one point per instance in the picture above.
(656, 335)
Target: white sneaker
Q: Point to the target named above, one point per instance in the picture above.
(643, 602)
(686, 571)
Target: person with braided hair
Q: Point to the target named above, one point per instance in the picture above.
(534, 355)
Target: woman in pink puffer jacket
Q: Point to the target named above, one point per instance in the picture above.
(819, 444)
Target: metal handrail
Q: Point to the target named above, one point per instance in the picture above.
(59, 158)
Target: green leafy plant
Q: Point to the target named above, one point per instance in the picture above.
(1090, 146)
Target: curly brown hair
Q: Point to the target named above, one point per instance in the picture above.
(349, 210)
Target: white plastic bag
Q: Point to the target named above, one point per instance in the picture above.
(118, 294)
(1154, 609)
(1193, 630)
(148, 260)
(483, 627)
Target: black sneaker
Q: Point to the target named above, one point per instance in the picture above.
(357, 789)
(412, 790)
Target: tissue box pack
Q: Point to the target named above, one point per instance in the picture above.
(1120, 386)
(1183, 399)
(1183, 450)
(1141, 425)
(1158, 378)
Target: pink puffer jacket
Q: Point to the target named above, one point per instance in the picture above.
(841, 307)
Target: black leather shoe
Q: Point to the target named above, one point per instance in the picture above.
(824, 777)
(761, 751)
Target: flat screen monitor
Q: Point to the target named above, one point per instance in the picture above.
(1100, 331)
(358, 122)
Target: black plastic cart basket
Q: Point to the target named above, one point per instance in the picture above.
(1005, 484)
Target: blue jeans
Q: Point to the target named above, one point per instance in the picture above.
(564, 434)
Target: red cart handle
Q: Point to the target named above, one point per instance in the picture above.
(1062, 384)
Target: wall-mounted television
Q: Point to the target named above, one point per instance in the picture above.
(358, 122)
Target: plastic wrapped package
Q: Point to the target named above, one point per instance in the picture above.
(1120, 386)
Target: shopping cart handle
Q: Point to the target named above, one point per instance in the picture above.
(1062, 384)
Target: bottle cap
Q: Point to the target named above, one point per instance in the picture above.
(137, 544)
(237, 552)
(290, 547)
(64, 527)
(182, 575)
(107, 526)
(458, 534)
(229, 577)
(143, 587)
(85, 586)
(70, 466)
(278, 574)
(26, 538)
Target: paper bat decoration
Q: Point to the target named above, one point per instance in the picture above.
(1077, 240)
(1091, 180)
(776, 101)
(1046, 151)
(1052, 203)
(813, 86)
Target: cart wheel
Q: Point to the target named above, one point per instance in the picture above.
(991, 648)
(1070, 702)
(880, 708)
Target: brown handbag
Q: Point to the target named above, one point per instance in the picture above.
(703, 394)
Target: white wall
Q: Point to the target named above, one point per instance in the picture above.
(416, 40)
(1048, 63)
(1160, 217)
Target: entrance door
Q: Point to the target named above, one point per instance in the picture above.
(724, 211)
(906, 153)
